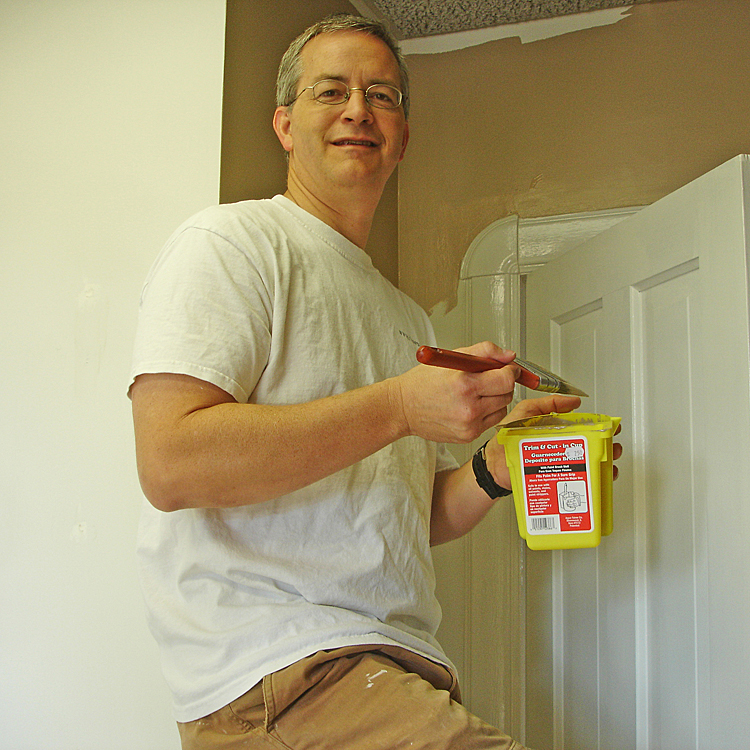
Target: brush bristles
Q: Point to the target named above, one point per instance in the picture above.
(550, 383)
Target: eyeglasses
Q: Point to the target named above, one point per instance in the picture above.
(379, 95)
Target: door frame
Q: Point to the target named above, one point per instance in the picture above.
(490, 304)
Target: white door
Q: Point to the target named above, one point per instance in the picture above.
(644, 642)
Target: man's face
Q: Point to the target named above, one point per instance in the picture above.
(343, 145)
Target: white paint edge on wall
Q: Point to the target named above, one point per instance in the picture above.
(529, 31)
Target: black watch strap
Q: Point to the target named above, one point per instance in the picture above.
(484, 478)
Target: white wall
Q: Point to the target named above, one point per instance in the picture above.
(110, 118)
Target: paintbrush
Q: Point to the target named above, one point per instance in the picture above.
(531, 375)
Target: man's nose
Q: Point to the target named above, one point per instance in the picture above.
(356, 106)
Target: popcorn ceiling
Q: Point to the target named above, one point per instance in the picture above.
(419, 18)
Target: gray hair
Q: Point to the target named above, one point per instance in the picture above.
(290, 69)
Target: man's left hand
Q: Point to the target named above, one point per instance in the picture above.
(495, 453)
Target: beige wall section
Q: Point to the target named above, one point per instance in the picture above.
(252, 160)
(612, 116)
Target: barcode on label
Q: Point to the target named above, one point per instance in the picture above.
(543, 523)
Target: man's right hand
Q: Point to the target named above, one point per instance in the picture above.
(450, 406)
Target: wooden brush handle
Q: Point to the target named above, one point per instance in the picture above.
(430, 355)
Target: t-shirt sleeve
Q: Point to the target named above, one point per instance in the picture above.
(205, 311)
(444, 460)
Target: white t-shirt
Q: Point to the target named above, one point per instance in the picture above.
(272, 305)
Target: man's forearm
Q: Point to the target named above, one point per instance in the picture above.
(458, 504)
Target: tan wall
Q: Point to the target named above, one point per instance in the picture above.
(612, 116)
(252, 160)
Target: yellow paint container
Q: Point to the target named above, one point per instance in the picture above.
(561, 473)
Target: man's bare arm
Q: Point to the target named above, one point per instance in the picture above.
(198, 447)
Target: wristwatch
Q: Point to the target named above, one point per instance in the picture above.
(484, 478)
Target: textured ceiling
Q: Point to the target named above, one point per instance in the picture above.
(418, 18)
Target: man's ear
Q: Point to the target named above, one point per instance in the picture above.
(282, 126)
(404, 141)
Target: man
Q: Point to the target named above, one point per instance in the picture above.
(289, 446)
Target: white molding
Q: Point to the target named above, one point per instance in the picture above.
(494, 250)
(513, 245)
(540, 240)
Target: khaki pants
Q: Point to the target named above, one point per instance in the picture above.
(348, 699)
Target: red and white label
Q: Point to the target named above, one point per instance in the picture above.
(556, 486)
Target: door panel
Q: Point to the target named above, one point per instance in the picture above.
(670, 313)
(642, 642)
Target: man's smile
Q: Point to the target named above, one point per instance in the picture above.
(355, 142)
